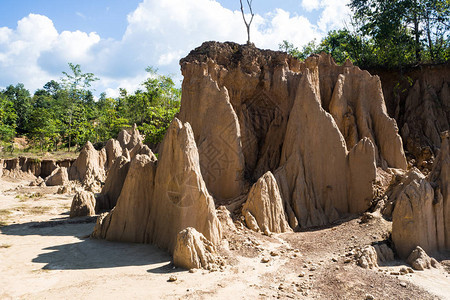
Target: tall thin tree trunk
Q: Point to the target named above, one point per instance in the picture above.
(430, 41)
(417, 37)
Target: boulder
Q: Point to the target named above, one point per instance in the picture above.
(263, 210)
(194, 251)
(83, 204)
(58, 177)
(367, 257)
(370, 257)
(38, 182)
(419, 260)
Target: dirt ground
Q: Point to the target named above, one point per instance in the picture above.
(46, 255)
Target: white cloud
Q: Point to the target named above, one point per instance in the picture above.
(334, 15)
(310, 5)
(280, 26)
(158, 34)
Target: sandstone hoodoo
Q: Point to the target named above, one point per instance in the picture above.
(421, 215)
(92, 166)
(158, 200)
(298, 142)
(320, 128)
(263, 210)
(88, 168)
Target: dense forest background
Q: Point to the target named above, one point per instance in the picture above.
(387, 33)
(64, 113)
(391, 34)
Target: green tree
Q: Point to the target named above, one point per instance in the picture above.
(43, 128)
(8, 118)
(405, 31)
(21, 100)
(76, 94)
(152, 108)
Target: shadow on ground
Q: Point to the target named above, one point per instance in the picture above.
(95, 254)
(57, 227)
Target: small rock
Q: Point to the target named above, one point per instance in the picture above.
(434, 263)
(410, 270)
(313, 268)
(403, 271)
(273, 253)
(395, 273)
(173, 278)
(192, 270)
(302, 274)
(334, 259)
(403, 284)
(265, 260)
(419, 260)
(369, 297)
(347, 260)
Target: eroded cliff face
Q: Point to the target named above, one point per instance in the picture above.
(254, 111)
(421, 215)
(299, 142)
(419, 99)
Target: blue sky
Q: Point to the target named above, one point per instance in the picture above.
(118, 39)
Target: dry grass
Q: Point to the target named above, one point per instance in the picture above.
(57, 155)
(25, 197)
(37, 210)
(5, 212)
(34, 210)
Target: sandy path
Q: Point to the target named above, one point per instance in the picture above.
(44, 255)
